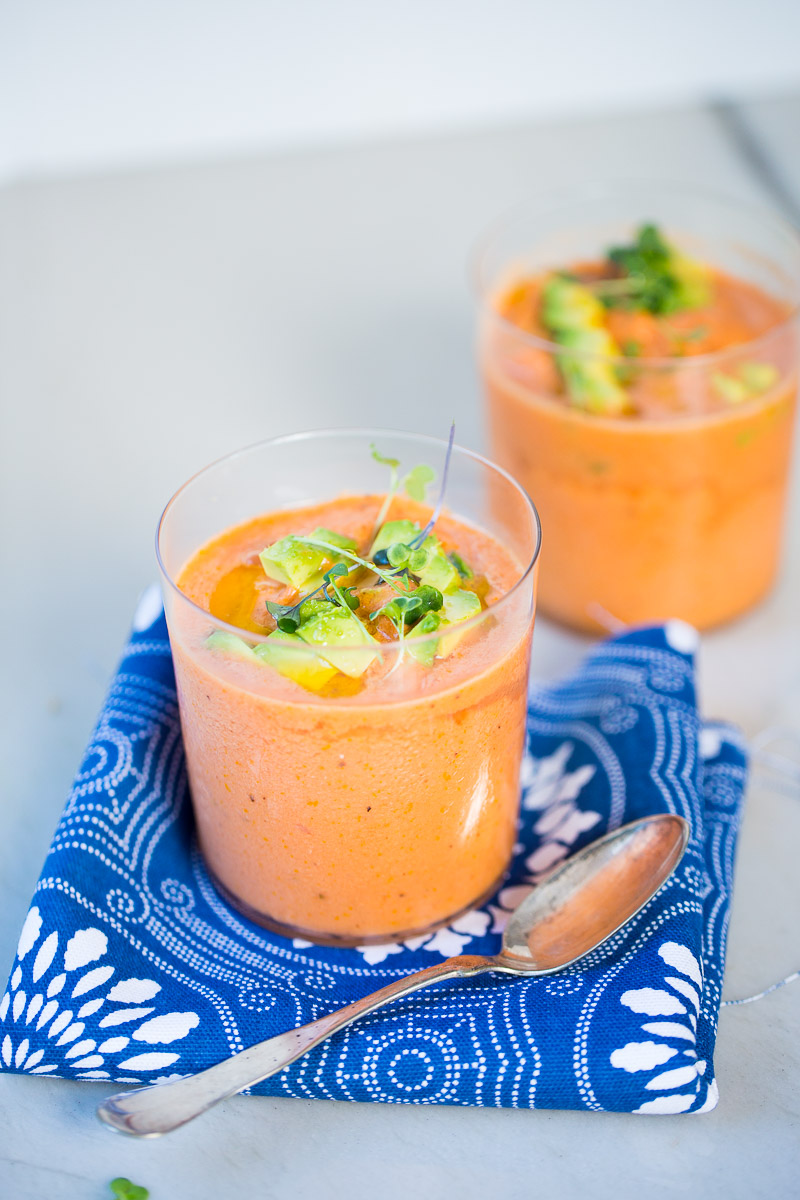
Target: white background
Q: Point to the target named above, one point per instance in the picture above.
(92, 84)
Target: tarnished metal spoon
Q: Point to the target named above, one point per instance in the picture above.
(570, 912)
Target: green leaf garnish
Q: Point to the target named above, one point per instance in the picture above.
(394, 463)
(417, 480)
(390, 576)
(410, 608)
(656, 277)
(287, 616)
(430, 597)
(123, 1189)
(397, 555)
(464, 570)
(631, 348)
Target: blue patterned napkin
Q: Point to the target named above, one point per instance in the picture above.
(131, 968)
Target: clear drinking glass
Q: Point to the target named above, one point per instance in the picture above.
(676, 508)
(361, 817)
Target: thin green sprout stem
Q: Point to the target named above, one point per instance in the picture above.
(386, 576)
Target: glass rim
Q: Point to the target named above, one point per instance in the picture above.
(365, 432)
(549, 202)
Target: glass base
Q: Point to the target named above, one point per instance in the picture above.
(345, 942)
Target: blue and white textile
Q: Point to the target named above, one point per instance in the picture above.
(131, 968)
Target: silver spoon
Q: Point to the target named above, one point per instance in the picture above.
(570, 912)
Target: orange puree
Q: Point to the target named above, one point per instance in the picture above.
(365, 815)
(675, 507)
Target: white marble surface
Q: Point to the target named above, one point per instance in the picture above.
(150, 322)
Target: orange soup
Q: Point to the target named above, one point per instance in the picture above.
(361, 791)
(646, 400)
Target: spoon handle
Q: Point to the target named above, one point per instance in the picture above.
(150, 1111)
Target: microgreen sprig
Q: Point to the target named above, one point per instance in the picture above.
(123, 1189)
(412, 607)
(407, 610)
(463, 568)
(393, 464)
(344, 597)
(417, 480)
(419, 477)
(287, 616)
(392, 577)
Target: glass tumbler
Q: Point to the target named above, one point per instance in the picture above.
(368, 817)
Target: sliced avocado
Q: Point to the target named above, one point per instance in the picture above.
(589, 341)
(342, 640)
(567, 304)
(757, 377)
(290, 561)
(394, 531)
(310, 608)
(732, 391)
(229, 643)
(426, 652)
(436, 569)
(287, 654)
(458, 606)
(333, 539)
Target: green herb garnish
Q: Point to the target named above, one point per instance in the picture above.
(464, 570)
(390, 577)
(411, 607)
(382, 556)
(407, 560)
(417, 480)
(287, 616)
(393, 464)
(656, 277)
(123, 1189)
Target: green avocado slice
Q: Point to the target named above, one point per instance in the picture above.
(427, 651)
(391, 532)
(287, 654)
(229, 643)
(437, 569)
(290, 561)
(458, 606)
(342, 640)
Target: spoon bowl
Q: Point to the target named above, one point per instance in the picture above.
(570, 912)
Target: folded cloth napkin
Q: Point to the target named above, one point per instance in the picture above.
(131, 968)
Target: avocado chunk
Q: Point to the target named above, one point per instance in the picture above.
(290, 561)
(750, 379)
(732, 391)
(394, 531)
(567, 304)
(427, 651)
(341, 640)
(575, 318)
(229, 643)
(311, 607)
(458, 606)
(758, 376)
(287, 654)
(435, 569)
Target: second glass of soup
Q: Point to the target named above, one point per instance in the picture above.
(639, 352)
